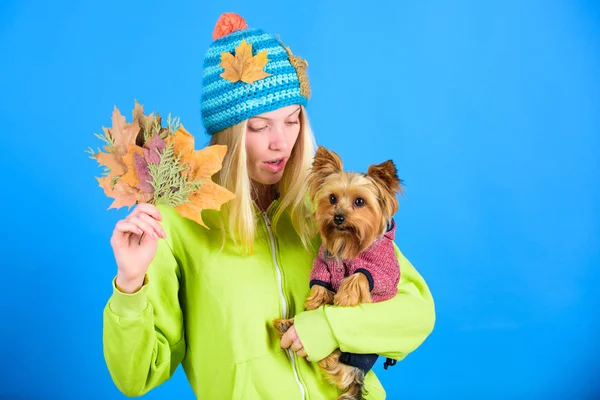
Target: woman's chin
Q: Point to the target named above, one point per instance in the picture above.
(273, 180)
(269, 178)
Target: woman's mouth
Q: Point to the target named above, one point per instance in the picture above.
(275, 165)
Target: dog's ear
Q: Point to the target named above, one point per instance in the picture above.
(386, 177)
(386, 174)
(325, 163)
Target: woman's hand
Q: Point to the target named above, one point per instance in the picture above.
(291, 340)
(134, 242)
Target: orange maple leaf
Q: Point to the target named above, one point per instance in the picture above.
(112, 161)
(244, 66)
(202, 165)
(123, 133)
(183, 142)
(123, 194)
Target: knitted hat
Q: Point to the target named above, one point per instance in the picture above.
(248, 72)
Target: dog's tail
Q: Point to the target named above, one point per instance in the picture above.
(356, 389)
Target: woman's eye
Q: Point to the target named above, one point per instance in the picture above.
(359, 202)
(332, 199)
(258, 128)
(290, 123)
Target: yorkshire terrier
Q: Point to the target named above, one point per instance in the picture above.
(356, 262)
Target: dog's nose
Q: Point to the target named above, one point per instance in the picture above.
(339, 219)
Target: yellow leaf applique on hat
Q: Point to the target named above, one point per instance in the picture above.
(244, 66)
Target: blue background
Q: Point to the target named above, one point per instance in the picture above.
(490, 111)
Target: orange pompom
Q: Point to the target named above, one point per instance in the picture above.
(227, 23)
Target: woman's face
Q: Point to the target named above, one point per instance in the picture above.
(270, 138)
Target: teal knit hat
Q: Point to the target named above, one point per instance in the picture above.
(248, 72)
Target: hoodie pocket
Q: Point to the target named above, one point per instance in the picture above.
(375, 390)
(265, 378)
(238, 383)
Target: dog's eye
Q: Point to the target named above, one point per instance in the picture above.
(359, 202)
(332, 199)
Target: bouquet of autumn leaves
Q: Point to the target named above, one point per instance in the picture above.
(145, 162)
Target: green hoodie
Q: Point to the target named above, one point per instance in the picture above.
(211, 310)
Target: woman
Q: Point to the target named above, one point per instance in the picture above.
(206, 298)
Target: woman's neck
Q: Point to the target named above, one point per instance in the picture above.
(263, 195)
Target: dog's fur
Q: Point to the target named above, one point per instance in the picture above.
(337, 192)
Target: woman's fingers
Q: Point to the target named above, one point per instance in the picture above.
(153, 223)
(302, 353)
(149, 209)
(291, 340)
(149, 215)
(296, 345)
(144, 226)
(142, 221)
(124, 226)
(288, 338)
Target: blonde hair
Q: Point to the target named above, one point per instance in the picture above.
(238, 218)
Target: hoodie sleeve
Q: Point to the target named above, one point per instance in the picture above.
(392, 328)
(143, 332)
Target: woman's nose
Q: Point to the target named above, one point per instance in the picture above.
(278, 141)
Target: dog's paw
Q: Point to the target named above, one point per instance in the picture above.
(353, 291)
(318, 296)
(282, 325)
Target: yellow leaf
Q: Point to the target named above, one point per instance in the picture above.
(232, 67)
(191, 211)
(202, 165)
(206, 162)
(244, 66)
(183, 141)
(131, 177)
(243, 51)
(210, 196)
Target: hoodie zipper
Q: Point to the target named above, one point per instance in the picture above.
(283, 301)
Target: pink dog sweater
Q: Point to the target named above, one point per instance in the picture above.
(378, 263)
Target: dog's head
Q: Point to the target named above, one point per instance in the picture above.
(352, 209)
